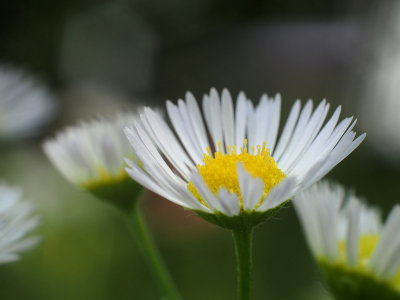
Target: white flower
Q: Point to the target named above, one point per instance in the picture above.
(16, 221)
(253, 170)
(25, 104)
(348, 239)
(92, 153)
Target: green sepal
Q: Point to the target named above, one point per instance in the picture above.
(246, 220)
(345, 283)
(122, 193)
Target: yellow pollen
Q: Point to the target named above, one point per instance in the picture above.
(220, 170)
(366, 246)
(104, 178)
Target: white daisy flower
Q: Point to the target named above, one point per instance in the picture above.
(359, 256)
(238, 168)
(91, 155)
(16, 221)
(25, 104)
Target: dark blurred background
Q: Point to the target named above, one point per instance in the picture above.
(100, 56)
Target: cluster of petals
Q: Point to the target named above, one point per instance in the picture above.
(307, 148)
(17, 222)
(91, 150)
(25, 104)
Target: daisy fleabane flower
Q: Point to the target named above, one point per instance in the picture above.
(91, 155)
(16, 222)
(357, 254)
(227, 163)
(26, 104)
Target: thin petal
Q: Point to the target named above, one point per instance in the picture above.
(250, 188)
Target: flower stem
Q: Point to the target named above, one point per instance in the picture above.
(243, 245)
(151, 253)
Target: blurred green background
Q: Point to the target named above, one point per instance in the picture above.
(100, 56)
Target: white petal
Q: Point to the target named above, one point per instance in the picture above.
(167, 143)
(318, 208)
(274, 123)
(308, 219)
(190, 128)
(197, 120)
(280, 193)
(212, 112)
(227, 117)
(184, 131)
(385, 260)
(211, 200)
(297, 134)
(287, 131)
(229, 202)
(345, 146)
(250, 188)
(353, 231)
(147, 152)
(303, 137)
(259, 122)
(321, 146)
(241, 118)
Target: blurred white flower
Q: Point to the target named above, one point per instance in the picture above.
(358, 255)
(244, 168)
(380, 100)
(92, 152)
(16, 221)
(25, 104)
(91, 155)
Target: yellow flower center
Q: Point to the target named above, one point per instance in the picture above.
(220, 170)
(367, 245)
(104, 178)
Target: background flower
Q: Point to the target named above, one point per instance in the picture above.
(91, 155)
(92, 151)
(16, 222)
(358, 255)
(26, 105)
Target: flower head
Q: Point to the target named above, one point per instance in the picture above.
(357, 254)
(25, 104)
(16, 221)
(237, 170)
(91, 155)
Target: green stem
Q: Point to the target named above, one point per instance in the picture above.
(243, 243)
(151, 253)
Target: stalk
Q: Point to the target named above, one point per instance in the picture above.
(150, 252)
(243, 247)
